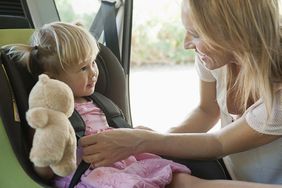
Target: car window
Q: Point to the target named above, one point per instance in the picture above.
(163, 82)
(83, 11)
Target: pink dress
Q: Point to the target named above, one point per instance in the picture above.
(140, 171)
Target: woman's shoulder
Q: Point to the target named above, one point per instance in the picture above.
(259, 119)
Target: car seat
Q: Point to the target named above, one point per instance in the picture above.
(16, 83)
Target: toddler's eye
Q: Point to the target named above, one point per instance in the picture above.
(84, 68)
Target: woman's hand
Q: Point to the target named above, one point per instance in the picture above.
(108, 147)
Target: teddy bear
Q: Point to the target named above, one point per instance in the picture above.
(51, 103)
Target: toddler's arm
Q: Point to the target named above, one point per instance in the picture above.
(44, 172)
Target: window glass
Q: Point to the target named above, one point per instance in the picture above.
(83, 11)
(163, 82)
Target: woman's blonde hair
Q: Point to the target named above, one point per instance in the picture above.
(56, 46)
(251, 31)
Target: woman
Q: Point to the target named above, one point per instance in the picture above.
(238, 47)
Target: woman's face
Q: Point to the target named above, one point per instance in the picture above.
(212, 59)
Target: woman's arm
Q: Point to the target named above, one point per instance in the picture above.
(205, 115)
(236, 137)
(110, 146)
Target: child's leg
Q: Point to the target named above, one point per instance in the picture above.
(182, 180)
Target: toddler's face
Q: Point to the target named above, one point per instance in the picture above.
(81, 78)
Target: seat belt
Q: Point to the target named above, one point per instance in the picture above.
(113, 113)
(105, 20)
(115, 118)
(77, 124)
(82, 167)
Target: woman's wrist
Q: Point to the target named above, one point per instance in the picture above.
(151, 142)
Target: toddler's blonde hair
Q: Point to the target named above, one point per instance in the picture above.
(56, 46)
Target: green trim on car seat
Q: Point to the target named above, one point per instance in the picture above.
(13, 36)
(11, 172)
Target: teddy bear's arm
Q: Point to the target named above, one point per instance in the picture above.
(37, 117)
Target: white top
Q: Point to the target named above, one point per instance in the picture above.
(262, 164)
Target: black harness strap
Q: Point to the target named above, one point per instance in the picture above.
(82, 167)
(105, 20)
(114, 118)
(77, 124)
(114, 115)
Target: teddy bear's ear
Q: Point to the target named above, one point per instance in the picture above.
(43, 78)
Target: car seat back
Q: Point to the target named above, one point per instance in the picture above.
(16, 83)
